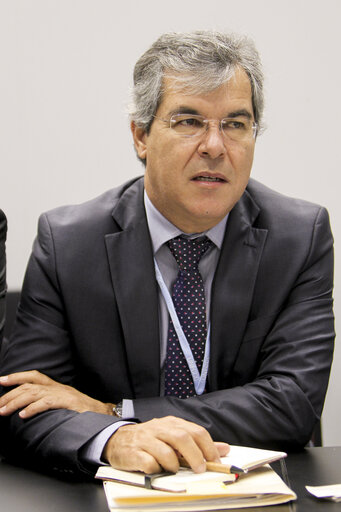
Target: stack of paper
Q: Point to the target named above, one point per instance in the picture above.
(196, 492)
(258, 488)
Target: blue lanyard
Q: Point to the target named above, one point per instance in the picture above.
(199, 380)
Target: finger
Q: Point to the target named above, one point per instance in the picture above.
(146, 463)
(13, 397)
(205, 442)
(180, 440)
(223, 448)
(46, 403)
(7, 397)
(161, 452)
(31, 376)
(20, 397)
(200, 448)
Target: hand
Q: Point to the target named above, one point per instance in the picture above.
(157, 444)
(35, 393)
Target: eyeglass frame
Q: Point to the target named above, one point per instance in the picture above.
(205, 122)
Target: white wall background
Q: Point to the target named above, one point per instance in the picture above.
(65, 72)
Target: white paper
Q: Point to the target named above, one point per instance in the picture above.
(332, 492)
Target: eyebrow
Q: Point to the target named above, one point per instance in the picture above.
(241, 113)
(187, 110)
(184, 110)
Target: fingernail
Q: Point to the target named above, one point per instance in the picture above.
(4, 378)
(201, 468)
(3, 409)
(22, 414)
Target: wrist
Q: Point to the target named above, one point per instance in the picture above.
(109, 409)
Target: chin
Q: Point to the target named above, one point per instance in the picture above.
(212, 214)
(205, 220)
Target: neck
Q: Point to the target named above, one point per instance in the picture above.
(192, 227)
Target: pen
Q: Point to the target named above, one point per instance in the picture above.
(218, 467)
(224, 468)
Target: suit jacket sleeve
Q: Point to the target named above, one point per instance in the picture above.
(277, 393)
(3, 229)
(41, 340)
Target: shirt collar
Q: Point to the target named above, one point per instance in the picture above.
(161, 230)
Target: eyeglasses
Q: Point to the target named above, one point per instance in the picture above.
(238, 129)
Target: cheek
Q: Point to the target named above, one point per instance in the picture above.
(241, 159)
(160, 171)
(160, 155)
(168, 165)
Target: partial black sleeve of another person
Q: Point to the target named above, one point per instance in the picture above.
(3, 231)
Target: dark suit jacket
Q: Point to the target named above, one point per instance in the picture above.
(89, 317)
(3, 230)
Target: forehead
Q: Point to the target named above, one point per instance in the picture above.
(232, 95)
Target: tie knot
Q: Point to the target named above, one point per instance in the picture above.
(188, 252)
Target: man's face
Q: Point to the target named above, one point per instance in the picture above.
(179, 170)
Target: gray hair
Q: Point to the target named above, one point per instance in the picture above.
(198, 62)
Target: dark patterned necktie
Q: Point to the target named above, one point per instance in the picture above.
(189, 301)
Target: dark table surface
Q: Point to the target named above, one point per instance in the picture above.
(24, 490)
(314, 466)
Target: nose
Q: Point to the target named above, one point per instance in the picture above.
(212, 143)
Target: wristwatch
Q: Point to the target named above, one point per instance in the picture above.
(118, 409)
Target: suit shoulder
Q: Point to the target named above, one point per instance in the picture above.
(94, 212)
(279, 209)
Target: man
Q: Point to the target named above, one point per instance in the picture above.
(111, 290)
(3, 230)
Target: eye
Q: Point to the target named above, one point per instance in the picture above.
(234, 124)
(191, 121)
(187, 121)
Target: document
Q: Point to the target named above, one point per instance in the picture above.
(328, 492)
(259, 487)
(248, 458)
(255, 485)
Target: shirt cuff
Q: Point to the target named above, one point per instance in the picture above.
(91, 452)
(128, 409)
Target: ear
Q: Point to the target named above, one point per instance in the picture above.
(140, 139)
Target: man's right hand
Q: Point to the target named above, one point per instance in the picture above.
(36, 392)
(158, 443)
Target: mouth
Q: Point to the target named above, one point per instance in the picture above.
(207, 178)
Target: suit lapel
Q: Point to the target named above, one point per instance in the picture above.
(133, 277)
(233, 286)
